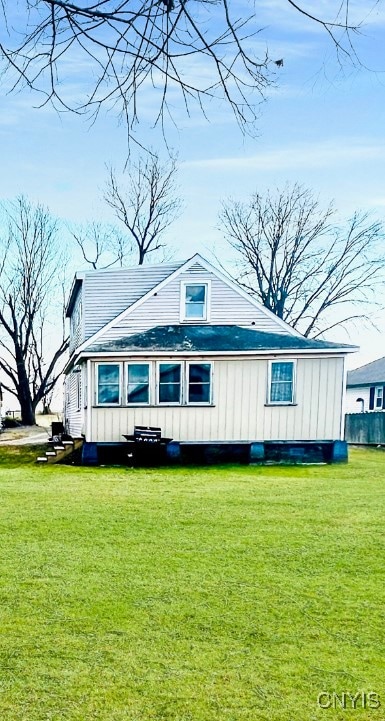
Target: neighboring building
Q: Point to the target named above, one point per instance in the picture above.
(365, 388)
(182, 347)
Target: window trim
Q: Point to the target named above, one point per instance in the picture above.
(187, 383)
(183, 286)
(127, 403)
(107, 363)
(292, 402)
(378, 397)
(181, 384)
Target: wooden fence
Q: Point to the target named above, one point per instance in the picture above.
(365, 428)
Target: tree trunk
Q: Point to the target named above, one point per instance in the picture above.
(24, 394)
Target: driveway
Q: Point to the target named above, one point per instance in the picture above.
(24, 436)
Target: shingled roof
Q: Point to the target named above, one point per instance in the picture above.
(215, 338)
(369, 374)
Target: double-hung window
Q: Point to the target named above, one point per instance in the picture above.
(194, 301)
(379, 397)
(281, 382)
(138, 383)
(108, 384)
(199, 383)
(170, 383)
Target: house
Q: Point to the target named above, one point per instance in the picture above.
(365, 388)
(182, 347)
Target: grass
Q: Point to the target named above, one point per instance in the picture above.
(200, 594)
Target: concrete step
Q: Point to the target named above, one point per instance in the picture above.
(59, 448)
(50, 453)
(42, 459)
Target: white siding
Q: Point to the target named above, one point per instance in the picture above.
(240, 411)
(109, 293)
(227, 308)
(74, 417)
(352, 394)
(77, 323)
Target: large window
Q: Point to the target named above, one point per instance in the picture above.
(199, 383)
(138, 383)
(175, 383)
(281, 383)
(170, 383)
(108, 383)
(194, 301)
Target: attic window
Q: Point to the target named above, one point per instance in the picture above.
(194, 301)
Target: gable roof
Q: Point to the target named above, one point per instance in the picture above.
(214, 338)
(368, 374)
(182, 267)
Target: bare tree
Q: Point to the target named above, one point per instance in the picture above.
(30, 267)
(201, 49)
(301, 264)
(146, 204)
(102, 246)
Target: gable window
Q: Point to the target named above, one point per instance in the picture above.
(138, 383)
(194, 301)
(199, 383)
(169, 388)
(108, 384)
(281, 384)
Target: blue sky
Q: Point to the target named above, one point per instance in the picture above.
(322, 126)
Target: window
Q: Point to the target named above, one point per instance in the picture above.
(281, 384)
(138, 383)
(199, 383)
(108, 384)
(78, 390)
(194, 301)
(169, 390)
(377, 398)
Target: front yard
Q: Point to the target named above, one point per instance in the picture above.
(221, 594)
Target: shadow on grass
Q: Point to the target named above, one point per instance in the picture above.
(13, 456)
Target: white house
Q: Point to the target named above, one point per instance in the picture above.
(182, 347)
(365, 388)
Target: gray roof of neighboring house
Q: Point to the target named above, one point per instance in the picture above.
(206, 338)
(133, 282)
(368, 374)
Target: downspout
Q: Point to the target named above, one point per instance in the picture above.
(343, 400)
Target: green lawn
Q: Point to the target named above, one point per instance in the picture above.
(221, 594)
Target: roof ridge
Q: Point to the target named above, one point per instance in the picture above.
(366, 365)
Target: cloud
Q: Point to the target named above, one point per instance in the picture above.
(304, 155)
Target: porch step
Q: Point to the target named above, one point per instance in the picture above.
(59, 451)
